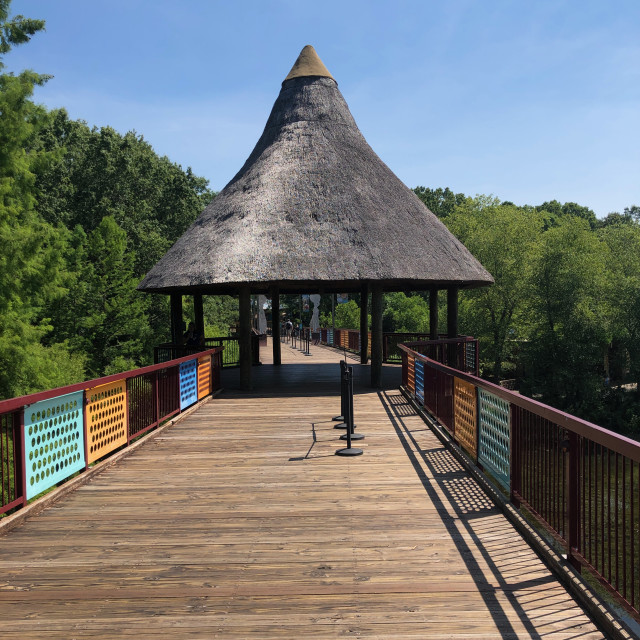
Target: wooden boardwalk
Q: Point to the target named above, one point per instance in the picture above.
(240, 522)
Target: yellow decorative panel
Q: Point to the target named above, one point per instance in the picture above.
(465, 415)
(106, 414)
(204, 376)
(411, 373)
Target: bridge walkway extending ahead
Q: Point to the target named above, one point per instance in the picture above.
(239, 521)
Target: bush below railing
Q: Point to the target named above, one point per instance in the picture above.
(579, 481)
(47, 437)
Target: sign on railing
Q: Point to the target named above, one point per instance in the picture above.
(580, 481)
(47, 437)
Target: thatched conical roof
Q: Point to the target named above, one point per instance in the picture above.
(314, 208)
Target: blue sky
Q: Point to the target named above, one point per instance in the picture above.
(528, 101)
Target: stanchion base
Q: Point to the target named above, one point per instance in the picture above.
(349, 452)
(338, 419)
(354, 436)
(343, 425)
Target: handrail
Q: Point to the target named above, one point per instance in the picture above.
(579, 481)
(349, 340)
(610, 439)
(16, 403)
(47, 437)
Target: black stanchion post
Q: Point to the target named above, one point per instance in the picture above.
(341, 417)
(351, 434)
(349, 451)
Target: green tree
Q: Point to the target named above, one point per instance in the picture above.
(405, 314)
(623, 293)
(103, 173)
(570, 319)
(32, 269)
(114, 327)
(501, 237)
(348, 315)
(554, 211)
(440, 201)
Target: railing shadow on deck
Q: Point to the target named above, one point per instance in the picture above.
(475, 513)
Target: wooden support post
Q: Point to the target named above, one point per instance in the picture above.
(275, 325)
(364, 324)
(244, 337)
(452, 312)
(433, 314)
(452, 326)
(376, 335)
(176, 318)
(198, 312)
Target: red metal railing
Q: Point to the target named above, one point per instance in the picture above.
(230, 356)
(579, 481)
(152, 396)
(460, 352)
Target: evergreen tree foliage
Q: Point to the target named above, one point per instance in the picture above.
(32, 267)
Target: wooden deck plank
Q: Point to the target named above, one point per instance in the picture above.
(240, 522)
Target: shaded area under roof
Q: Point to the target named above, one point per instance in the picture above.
(314, 209)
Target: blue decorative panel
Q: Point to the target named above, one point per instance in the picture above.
(495, 432)
(54, 441)
(420, 380)
(188, 384)
(330, 336)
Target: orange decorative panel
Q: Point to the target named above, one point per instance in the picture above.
(106, 418)
(465, 415)
(411, 377)
(204, 376)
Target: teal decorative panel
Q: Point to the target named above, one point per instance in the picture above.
(188, 384)
(495, 433)
(330, 336)
(54, 441)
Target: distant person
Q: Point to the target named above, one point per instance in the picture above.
(289, 327)
(192, 337)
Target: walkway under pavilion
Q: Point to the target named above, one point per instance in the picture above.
(239, 521)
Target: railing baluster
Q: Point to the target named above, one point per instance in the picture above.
(578, 480)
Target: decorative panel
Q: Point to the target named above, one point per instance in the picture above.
(330, 337)
(54, 441)
(188, 384)
(495, 433)
(106, 417)
(204, 376)
(419, 377)
(465, 415)
(412, 373)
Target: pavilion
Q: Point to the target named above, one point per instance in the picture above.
(314, 210)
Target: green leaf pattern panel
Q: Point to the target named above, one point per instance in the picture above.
(54, 441)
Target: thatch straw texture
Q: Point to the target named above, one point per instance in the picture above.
(314, 208)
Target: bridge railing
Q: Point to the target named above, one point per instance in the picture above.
(579, 481)
(462, 351)
(230, 356)
(48, 437)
